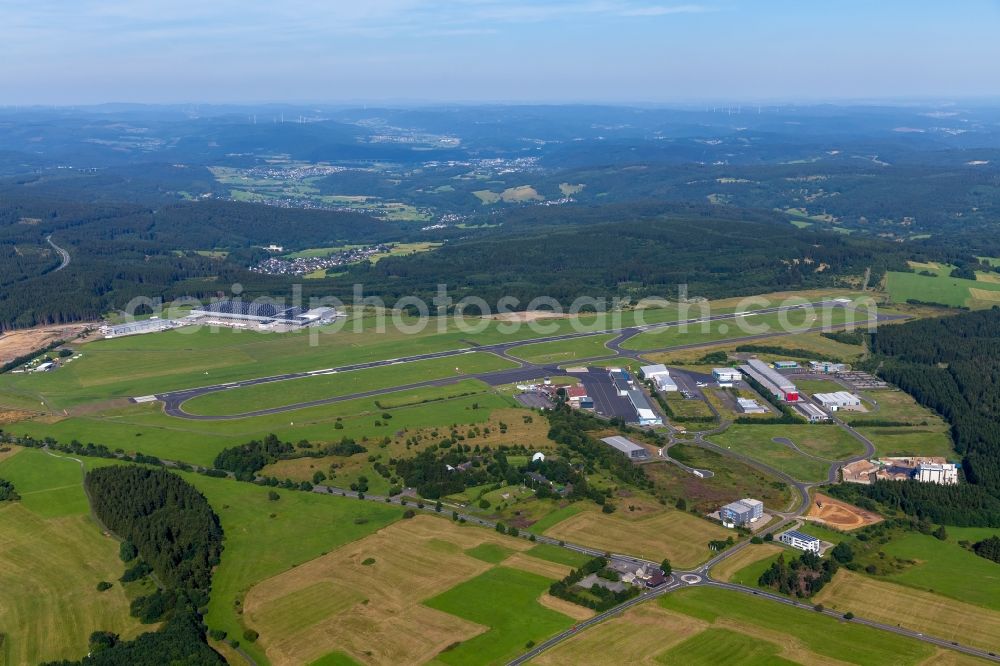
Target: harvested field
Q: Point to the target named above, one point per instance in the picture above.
(840, 515)
(373, 611)
(913, 609)
(744, 558)
(19, 343)
(633, 638)
(575, 611)
(9, 416)
(534, 565)
(673, 534)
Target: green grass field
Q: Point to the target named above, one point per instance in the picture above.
(52, 555)
(147, 429)
(720, 646)
(946, 568)
(826, 636)
(728, 329)
(756, 442)
(317, 387)
(942, 289)
(912, 440)
(493, 553)
(558, 555)
(564, 350)
(258, 546)
(512, 614)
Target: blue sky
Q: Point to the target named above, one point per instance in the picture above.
(91, 51)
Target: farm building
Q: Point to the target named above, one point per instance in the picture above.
(726, 375)
(750, 406)
(773, 381)
(647, 417)
(45, 367)
(741, 512)
(630, 449)
(812, 413)
(799, 540)
(838, 400)
(945, 474)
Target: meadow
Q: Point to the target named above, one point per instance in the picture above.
(820, 444)
(564, 351)
(147, 429)
(52, 555)
(740, 567)
(264, 538)
(943, 289)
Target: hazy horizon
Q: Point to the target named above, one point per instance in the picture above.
(620, 52)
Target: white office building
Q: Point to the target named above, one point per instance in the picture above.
(799, 540)
(945, 474)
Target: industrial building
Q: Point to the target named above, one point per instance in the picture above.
(786, 365)
(622, 381)
(630, 449)
(236, 311)
(750, 406)
(772, 380)
(647, 417)
(659, 375)
(838, 400)
(151, 325)
(812, 413)
(799, 540)
(826, 367)
(726, 375)
(945, 474)
(741, 512)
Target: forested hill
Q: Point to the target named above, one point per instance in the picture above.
(634, 257)
(952, 365)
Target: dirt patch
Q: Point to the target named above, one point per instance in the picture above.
(97, 407)
(364, 598)
(574, 611)
(8, 416)
(11, 450)
(14, 344)
(840, 515)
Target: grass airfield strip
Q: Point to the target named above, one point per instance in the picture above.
(147, 429)
(294, 391)
(192, 357)
(52, 555)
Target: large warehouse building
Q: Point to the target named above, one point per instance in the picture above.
(236, 311)
(630, 449)
(660, 376)
(773, 381)
(838, 400)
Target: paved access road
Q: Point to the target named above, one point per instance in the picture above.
(63, 254)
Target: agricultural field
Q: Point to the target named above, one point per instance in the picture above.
(653, 533)
(317, 387)
(564, 351)
(711, 626)
(815, 447)
(942, 289)
(52, 555)
(399, 596)
(264, 538)
(812, 342)
(913, 609)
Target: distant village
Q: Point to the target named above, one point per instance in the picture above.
(306, 265)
